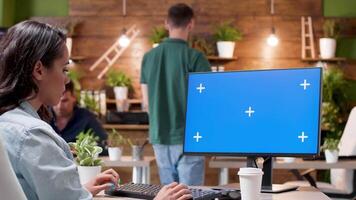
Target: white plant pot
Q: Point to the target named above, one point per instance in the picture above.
(331, 156)
(289, 159)
(327, 47)
(87, 173)
(115, 153)
(155, 45)
(121, 94)
(69, 43)
(226, 49)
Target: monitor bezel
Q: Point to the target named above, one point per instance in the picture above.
(240, 154)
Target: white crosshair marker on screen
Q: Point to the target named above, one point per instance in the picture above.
(249, 111)
(303, 136)
(305, 84)
(201, 88)
(197, 137)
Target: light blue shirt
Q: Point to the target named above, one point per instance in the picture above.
(41, 159)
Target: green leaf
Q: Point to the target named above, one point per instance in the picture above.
(86, 162)
(86, 149)
(116, 78)
(115, 139)
(97, 162)
(159, 33)
(227, 32)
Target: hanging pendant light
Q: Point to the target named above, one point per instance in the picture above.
(272, 39)
(124, 41)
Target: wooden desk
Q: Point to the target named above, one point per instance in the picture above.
(224, 163)
(141, 169)
(303, 193)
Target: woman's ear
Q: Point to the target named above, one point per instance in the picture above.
(38, 71)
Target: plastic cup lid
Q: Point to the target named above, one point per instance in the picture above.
(250, 171)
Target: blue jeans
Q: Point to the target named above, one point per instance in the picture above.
(174, 167)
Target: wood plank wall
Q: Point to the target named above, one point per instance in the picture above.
(102, 23)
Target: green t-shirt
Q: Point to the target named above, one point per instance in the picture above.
(165, 71)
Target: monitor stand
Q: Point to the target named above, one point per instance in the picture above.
(267, 186)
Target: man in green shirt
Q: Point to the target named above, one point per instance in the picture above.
(164, 76)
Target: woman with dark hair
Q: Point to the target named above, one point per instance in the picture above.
(33, 67)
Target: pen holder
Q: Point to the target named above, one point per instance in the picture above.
(137, 152)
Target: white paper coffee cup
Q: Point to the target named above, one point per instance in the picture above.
(250, 183)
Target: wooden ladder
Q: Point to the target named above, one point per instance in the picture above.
(308, 49)
(113, 53)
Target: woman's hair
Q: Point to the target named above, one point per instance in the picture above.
(23, 45)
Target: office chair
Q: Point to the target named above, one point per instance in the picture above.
(343, 182)
(10, 188)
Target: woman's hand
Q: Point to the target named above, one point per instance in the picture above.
(102, 181)
(174, 191)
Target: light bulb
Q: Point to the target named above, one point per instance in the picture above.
(124, 41)
(272, 40)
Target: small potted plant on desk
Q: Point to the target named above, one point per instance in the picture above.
(226, 35)
(159, 33)
(121, 84)
(116, 144)
(331, 150)
(87, 152)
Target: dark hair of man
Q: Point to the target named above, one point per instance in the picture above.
(70, 87)
(180, 15)
(21, 48)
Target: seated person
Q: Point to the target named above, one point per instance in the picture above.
(33, 67)
(69, 119)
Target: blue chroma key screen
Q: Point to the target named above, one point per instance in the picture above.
(254, 112)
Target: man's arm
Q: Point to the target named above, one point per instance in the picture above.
(201, 64)
(144, 97)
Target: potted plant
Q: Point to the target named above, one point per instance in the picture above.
(121, 83)
(87, 151)
(334, 105)
(327, 44)
(226, 35)
(159, 33)
(88, 101)
(202, 44)
(115, 144)
(331, 149)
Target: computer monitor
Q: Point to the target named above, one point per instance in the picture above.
(255, 113)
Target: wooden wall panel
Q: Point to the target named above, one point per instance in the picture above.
(102, 23)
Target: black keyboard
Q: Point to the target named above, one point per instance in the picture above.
(149, 191)
(322, 157)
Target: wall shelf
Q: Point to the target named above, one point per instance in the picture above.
(220, 59)
(130, 101)
(336, 59)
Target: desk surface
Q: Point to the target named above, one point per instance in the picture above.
(224, 162)
(303, 193)
(126, 161)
